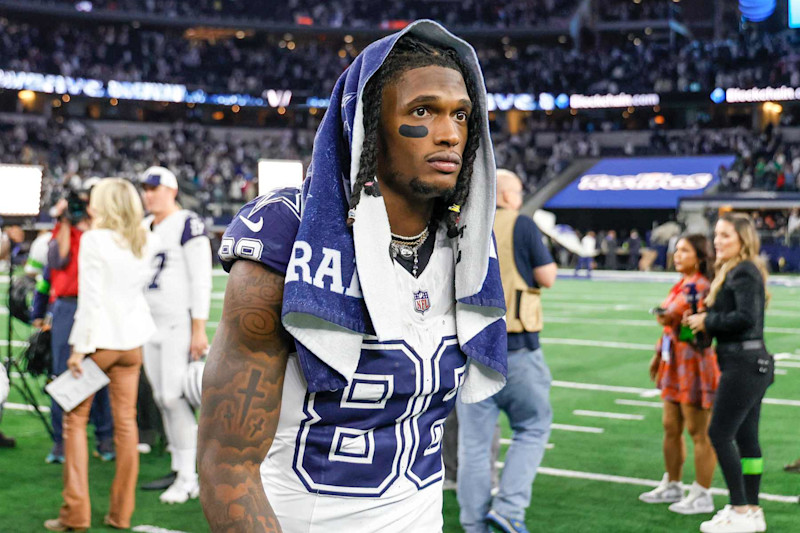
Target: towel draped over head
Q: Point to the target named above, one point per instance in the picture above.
(330, 313)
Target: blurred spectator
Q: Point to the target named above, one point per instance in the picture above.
(356, 13)
(112, 323)
(589, 245)
(218, 168)
(267, 61)
(62, 262)
(634, 246)
(210, 170)
(609, 246)
(687, 373)
(793, 225)
(625, 10)
(10, 236)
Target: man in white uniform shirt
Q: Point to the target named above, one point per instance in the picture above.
(179, 296)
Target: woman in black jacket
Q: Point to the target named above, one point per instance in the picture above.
(735, 317)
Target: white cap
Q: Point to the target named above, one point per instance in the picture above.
(88, 183)
(156, 176)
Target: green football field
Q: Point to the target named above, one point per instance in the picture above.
(598, 339)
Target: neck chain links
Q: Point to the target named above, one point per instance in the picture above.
(408, 248)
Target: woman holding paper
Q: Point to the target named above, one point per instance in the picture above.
(111, 325)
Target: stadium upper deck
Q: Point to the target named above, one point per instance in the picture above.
(338, 13)
(248, 62)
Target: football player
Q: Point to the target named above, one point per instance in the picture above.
(343, 379)
(179, 296)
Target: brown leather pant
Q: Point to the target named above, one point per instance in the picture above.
(123, 371)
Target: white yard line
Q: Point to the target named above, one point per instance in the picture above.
(25, 407)
(568, 309)
(604, 388)
(506, 442)
(147, 528)
(600, 344)
(558, 472)
(639, 403)
(775, 312)
(578, 300)
(220, 295)
(650, 393)
(564, 306)
(576, 429)
(606, 414)
(775, 401)
(634, 276)
(14, 344)
(640, 323)
(788, 364)
(642, 392)
(779, 372)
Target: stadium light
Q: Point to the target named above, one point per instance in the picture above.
(20, 190)
(26, 96)
(278, 173)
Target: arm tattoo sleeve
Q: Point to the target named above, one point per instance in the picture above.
(242, 387)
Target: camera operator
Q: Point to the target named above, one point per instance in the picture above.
(62, 261)
(10, 236)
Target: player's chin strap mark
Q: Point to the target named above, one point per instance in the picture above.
(414, 132)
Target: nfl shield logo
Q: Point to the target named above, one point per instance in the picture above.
(421, 301)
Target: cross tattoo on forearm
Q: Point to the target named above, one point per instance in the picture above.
(250, 392)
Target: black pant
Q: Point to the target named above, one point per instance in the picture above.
(148, 417)
(734, 421)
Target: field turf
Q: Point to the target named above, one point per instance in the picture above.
(597, 334)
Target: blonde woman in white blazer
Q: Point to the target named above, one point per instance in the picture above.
(112, 323)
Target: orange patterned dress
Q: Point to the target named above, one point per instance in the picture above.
(685, 375)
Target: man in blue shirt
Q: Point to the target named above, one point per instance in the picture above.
(525, 266)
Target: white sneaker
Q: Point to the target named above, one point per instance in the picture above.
(727, 520)
(697, 501)
(666, 492)
(181, 491)
(758, 518)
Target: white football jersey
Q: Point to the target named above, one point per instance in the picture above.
(181, 273)
(367, 458)
(37, 256)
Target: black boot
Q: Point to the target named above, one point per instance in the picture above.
(6, 442)
(161, 484)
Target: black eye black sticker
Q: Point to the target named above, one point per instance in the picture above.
(415, 132)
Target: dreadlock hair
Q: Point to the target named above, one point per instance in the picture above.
(409, 53)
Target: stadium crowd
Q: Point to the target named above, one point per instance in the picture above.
(216, 169)
(220, 169)
(213, 170)
(625, 10)
(350, 13)
(257, 62)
